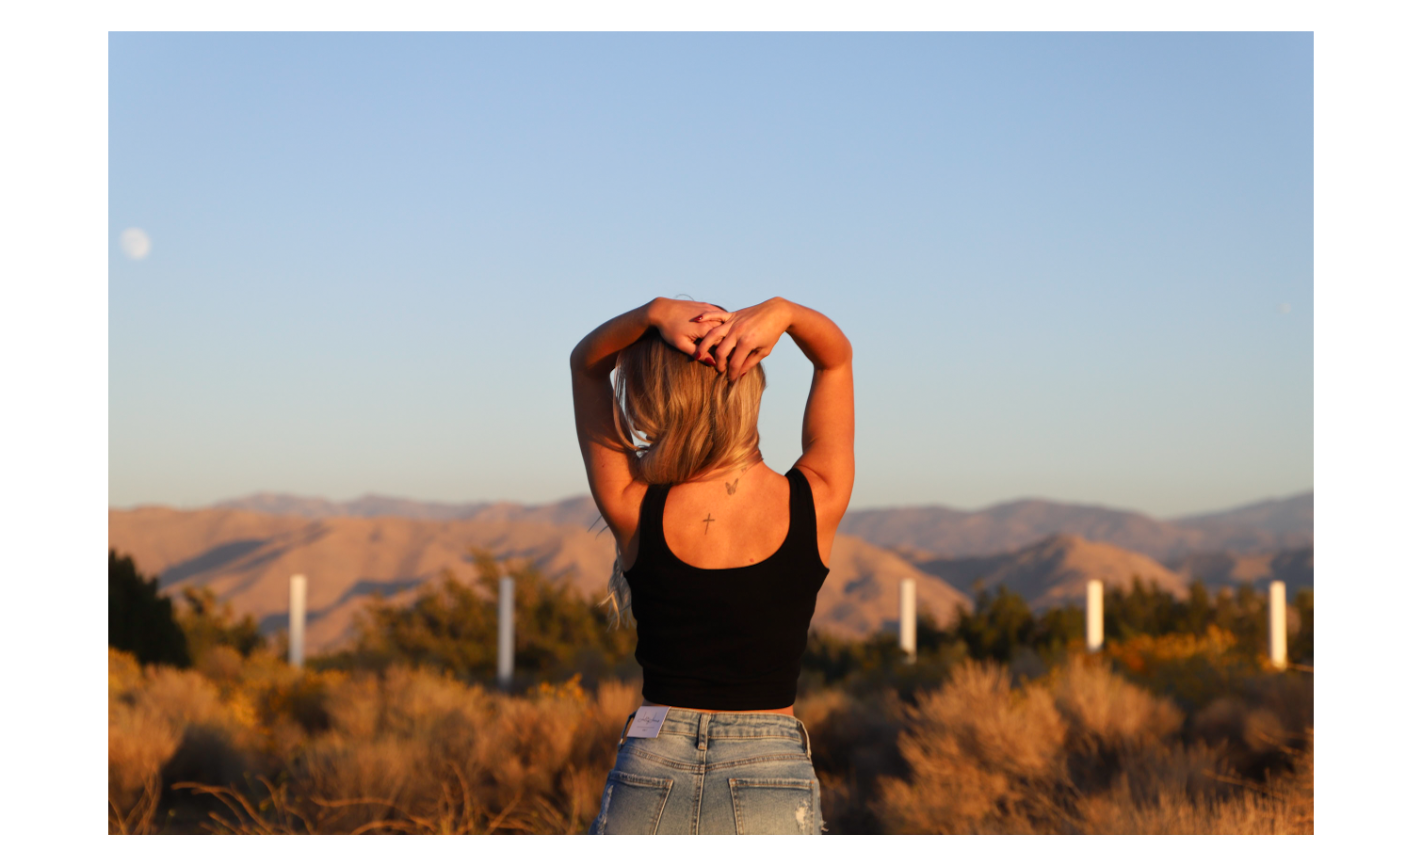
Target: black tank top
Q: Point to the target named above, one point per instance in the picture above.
(725, 638)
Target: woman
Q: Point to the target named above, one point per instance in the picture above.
(719, 556)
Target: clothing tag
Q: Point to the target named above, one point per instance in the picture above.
(648, 722)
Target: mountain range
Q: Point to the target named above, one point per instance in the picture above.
(1271, 525)
(246, 557)
(574, 510)
(1261, 527)
(246, 549)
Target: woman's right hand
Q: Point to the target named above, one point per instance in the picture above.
(744, 338)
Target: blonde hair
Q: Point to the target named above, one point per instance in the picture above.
(680, 418)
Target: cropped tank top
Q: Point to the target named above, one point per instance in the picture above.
(725, 638)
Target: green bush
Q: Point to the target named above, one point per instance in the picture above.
(1003, 628)
(453, 626)
(208, 624)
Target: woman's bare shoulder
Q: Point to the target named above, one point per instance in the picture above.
(621, 511)
(830, 504)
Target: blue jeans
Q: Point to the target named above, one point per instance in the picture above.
(714, 773)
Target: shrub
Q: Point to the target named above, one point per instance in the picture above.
(1082, 750)
(1301, 643)
(140, 619)
(453, 626)
(981, 757)
(251, 745)
(417, 751)
(141, 739)
(208, 624)
(853, 743)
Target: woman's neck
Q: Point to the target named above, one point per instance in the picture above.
(726, 471)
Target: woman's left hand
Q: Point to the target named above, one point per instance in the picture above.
(680, 323)
(743, 338)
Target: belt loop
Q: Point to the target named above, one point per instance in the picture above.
(625, 726)
(804, 732)
(702, 731)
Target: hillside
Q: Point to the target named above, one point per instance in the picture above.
(861, 594)
(1216, 570)
(247, 557)
(1053, 572)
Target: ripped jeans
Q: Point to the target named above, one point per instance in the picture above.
(714, 773)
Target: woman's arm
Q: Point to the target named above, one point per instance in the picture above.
(607, 463)
(744, 338)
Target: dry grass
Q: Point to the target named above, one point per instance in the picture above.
(252, 746)
(1080, 751)
(140, 742)
(414, 751)
(261, 748)
(1279, 805)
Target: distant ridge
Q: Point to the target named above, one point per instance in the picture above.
(1272, 525)
(1288, 522)
(1269, 525)
(929, 531)
(1279, 513)
(576, 509)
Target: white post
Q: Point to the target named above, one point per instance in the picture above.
(506, 635)
(908, 619)
(296, 627)
(1278, 625)
(1095, 616)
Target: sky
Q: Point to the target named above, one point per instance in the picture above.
(1072, 266)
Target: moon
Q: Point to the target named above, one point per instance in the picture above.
(135, 244)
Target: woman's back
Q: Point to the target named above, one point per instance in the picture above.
(728, 519)
(726, 637)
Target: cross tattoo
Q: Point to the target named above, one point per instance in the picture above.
(708, 521)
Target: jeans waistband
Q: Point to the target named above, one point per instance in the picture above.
(729, 725)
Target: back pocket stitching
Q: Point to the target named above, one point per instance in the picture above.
(736, 784)
(642, 782)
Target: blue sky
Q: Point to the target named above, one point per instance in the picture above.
(1076, 266)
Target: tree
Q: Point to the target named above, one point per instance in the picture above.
(1301, 645)
(453, 625)
(140, 619)
(1057, 628)
(1242, 612)
(1199, 610)
(1144, 610)
(998, 623)
(206, 624)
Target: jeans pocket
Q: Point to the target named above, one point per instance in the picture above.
(775, 806)
(632, 804)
